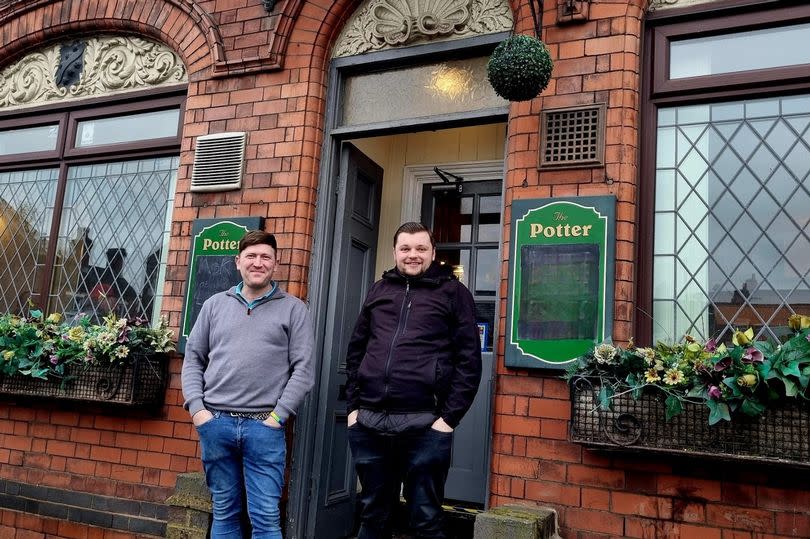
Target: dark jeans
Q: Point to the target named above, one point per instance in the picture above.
(420, 460)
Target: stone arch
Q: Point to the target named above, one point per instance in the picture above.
(181, 24)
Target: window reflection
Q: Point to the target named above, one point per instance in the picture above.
(29, 139)
(129, 128)
(459, 260)
(740, 51)
(112, 239)
(732, 245)
(26, 210)
(453, 217)
(486, 271)
(489, 218)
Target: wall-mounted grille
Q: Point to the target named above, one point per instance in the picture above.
(219, 162)
(572, 137)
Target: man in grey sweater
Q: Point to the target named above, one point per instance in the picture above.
(247, 367)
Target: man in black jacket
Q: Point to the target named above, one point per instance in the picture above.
(414, 364)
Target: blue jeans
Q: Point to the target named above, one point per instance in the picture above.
(242, 454)
(418, 460)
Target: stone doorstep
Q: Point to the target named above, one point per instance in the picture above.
(516, 522)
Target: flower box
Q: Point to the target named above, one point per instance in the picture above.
(780, 435)
(139, 381)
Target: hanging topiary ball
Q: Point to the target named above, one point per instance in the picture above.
(519, 68)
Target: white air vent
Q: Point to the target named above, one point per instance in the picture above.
(219, 162)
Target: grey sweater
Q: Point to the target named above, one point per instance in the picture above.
(249, 359)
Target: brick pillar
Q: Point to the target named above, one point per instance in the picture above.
(189, 508)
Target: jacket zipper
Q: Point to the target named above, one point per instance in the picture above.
(403, 320)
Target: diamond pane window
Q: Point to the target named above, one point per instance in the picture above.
(26, 211)
(113, 237)
(87, 235)
(732, 218)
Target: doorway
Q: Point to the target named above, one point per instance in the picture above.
(374, 167)
(384, 181)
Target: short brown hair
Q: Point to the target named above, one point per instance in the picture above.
(257, 237)
(412, 228)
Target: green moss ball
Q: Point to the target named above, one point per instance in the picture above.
(519, 68)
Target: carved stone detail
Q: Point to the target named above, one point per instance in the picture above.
(382, 24)
(111, 64)
(663, 4)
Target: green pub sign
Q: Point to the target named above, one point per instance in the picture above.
(212, 264)
(560, 279)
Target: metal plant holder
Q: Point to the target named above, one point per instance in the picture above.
(141, 381)
(780, 435)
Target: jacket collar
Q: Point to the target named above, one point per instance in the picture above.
(433, 276)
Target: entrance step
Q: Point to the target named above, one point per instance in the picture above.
(516, 522)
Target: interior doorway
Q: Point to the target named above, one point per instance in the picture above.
(384, 181)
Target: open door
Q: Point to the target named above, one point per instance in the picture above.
(352, 274)
(466, 222)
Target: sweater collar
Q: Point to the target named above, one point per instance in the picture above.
(237, 290)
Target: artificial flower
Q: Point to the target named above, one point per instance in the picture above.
(673, 377)
(752, 355)
(651, 375)
(742, 338)
(798, 322)
(747, 380)
(604, 353)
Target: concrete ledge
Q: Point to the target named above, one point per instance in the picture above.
(189, 508)
(516, 522)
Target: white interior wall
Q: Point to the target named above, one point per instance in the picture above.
(394, 152)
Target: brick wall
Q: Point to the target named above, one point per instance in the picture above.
(233, 50)
(597, 494)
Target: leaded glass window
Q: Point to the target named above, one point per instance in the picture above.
(732, 217)
(86, 233)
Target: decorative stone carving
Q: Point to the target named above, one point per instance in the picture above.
(110, 64)
(662, 4)
(381, 24)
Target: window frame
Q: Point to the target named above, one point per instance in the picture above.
(68, 114)
(661, 27)
(661, 36)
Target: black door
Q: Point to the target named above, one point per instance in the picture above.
(352, 273)
(467, 226)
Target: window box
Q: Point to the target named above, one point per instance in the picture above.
(780, 435)
(140, 381)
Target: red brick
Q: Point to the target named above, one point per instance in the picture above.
(597, 521)
(794, 524)
(728, 516)
(520, 385)
(783, 499)
(553, 450)
(639, 504)
(555, 493)
(550, 408)
(688, 487)
(593, 498)
(598, 477)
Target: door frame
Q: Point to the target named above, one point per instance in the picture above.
(300, 513)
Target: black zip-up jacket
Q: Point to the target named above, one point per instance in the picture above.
(415, 347)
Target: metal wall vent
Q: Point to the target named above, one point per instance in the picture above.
(573, 137)
(219, 162)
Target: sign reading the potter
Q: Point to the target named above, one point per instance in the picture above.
(560, 279)
(212, 264)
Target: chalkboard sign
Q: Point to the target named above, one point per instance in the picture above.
(212, 268)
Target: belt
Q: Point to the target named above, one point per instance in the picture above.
(261, 416)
